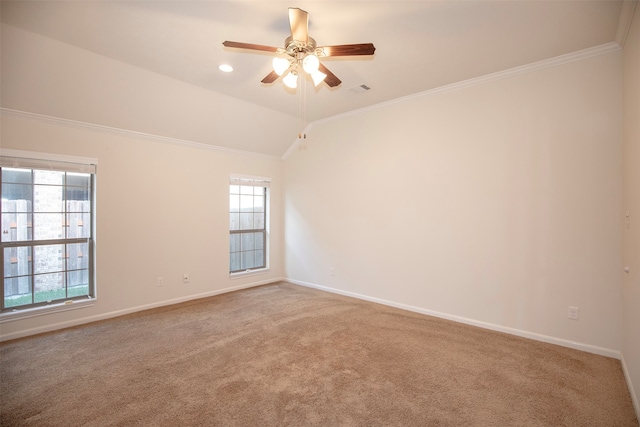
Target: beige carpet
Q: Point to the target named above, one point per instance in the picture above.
(282, 354)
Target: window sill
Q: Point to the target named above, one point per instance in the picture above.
(26, 313)
(248, 273)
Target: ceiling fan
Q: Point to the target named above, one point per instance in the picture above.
(300, 52)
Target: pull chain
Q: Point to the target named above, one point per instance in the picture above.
(303, 107)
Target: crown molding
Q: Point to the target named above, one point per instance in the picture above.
(624, 23)
(508, 73)
(129, 133)
(626, 16)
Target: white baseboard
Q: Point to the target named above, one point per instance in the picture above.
(627, 377)
(525, 334)
(518, 332)
(81, 321)
(512, 331)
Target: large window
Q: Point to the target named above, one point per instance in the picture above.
(248, 224)
(47, 232)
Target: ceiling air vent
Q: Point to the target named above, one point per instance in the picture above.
(360, 88)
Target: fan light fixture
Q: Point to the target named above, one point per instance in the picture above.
(318, 77)
(310, 64)
(280, 65)
(291, 79)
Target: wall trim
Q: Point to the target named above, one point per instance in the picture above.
(84, 320)
(130, 133)
(487, 78)
(517, 332)
(485, 325)
(512, 331)
(27, 313)
(627, 377)
(625, 22)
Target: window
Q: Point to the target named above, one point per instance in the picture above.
(248, 224)
(47, 232)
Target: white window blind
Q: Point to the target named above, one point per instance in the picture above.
(250, 181)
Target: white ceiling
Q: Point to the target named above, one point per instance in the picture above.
(420, 45)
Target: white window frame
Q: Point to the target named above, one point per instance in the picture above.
(39, 158)
(256, 181)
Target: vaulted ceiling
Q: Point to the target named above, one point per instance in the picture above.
(421, 45)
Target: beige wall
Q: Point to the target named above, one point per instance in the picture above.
(631, 203)
(161, 210)
(499, 204)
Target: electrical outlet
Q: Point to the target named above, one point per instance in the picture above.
(332, 272)
(160, 281)
(627, 219)
(573, 313)
(185, 278)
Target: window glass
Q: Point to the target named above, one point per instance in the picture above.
(22, 176)
(247, 225)
(47, 237)
(48, 226)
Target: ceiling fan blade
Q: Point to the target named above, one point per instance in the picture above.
(347, 49)
(250, 46)
(271, 77)
(299, 23)
(331, 80)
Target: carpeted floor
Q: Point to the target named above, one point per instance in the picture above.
(282, 354)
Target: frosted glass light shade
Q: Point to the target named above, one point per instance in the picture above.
(291, 80)
(318, 77)
(280, 65)
(310, 64)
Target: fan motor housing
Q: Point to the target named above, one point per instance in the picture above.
(294, 47)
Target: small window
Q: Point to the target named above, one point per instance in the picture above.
(47, 232)
(248, 224)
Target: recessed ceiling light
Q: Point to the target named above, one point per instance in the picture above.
(226, 68)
